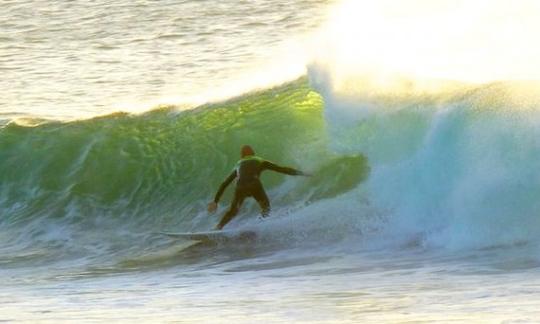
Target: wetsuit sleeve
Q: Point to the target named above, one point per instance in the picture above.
(224, 185)
(266, 165)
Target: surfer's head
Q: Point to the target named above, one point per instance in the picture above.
(246, 151)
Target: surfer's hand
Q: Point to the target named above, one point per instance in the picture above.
(212, 207)
(307, 174)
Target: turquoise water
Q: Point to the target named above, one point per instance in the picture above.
(422, 208)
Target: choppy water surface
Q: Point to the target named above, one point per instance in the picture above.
(78, 59)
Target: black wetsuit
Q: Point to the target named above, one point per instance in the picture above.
(248, 184)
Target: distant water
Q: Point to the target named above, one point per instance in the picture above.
(423, 206)
(72, 59)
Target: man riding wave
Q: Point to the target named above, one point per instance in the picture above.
(247, 173)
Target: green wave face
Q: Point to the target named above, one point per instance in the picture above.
(160, 168)
(455, 170)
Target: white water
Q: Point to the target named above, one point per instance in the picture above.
(324, 285)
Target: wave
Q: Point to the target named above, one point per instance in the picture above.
(452, 170)
(97, 185)
(452, 167)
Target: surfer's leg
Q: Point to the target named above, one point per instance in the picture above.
(233, 209)
(260, 196)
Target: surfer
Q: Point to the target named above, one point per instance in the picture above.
(248, 184)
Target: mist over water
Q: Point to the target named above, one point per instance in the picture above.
(454, 168)
(446, 115)
(406, 46)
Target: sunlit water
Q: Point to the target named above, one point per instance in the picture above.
(80, 59)
(422, 208)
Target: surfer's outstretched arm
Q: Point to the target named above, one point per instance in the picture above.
(212, 206)
(224, 186)
(286, 170)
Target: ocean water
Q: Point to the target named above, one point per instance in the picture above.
(120, 120)
(80, 59)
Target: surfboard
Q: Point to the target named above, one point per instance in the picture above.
(214, 236)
